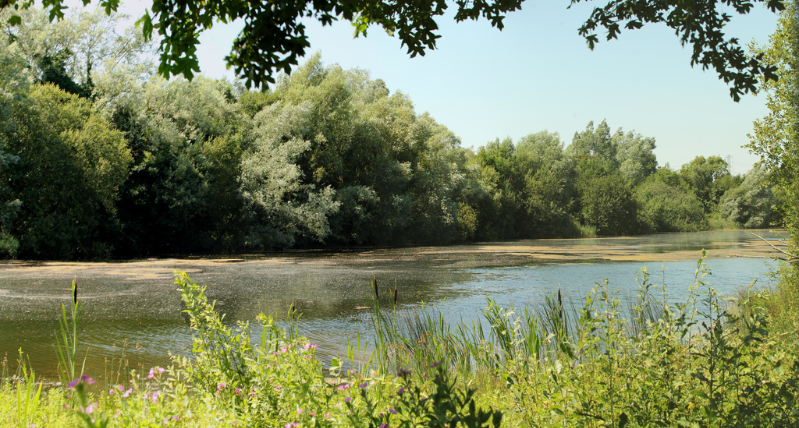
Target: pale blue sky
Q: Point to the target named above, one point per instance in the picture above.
(538, 74)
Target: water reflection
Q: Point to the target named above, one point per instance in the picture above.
(132, 308)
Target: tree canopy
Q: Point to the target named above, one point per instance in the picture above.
(273, 37)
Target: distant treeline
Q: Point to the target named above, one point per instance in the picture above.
(118, 162)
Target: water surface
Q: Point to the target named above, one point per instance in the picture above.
(132, 307)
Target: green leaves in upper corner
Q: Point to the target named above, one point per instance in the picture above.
(697, 24)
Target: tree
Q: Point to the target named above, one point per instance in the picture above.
(751, 203)
(274, 38)
(71, 165)
(77, 47)
(705, 177)
(669, 208)
(776, 136)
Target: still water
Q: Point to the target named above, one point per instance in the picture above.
(133, 310)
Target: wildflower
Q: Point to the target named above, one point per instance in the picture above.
(155, 396)
(283, 349)
(277, 388)
(127, 393)
(252, 393)
(111, 392)
(73, 383)
(313, 414)
(364, 385)
(345, 386)
(307, 346)
(90, 408)
(385, 425)
(327, 416)
(87, 379)
(401, 390)
(348, 399)
(120, 388)
(403, 373)
(238, 391)
(392, 411)
(176, 418)
(299, 411)
(166, 421)
(220, 385)
(436, 364)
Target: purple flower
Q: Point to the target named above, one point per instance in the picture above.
(392, 411)
(120, 388)
(73, 383)
(90, 408)
(348, 399)
(385, 425)
(299, 411)
(403, 372)
(155, 396)
(401, 390)
(364, 385)
(220, 385)
(87, 379)
(175, 418)
(345, 386)
(327, 415)
(127, 393)
(436, 364)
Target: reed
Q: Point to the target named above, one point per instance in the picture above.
(67, 339)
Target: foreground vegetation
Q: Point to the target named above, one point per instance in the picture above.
(603, 363)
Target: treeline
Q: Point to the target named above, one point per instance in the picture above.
(103, 158)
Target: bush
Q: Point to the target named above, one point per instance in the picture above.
(666, 208)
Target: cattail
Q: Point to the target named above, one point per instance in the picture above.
(374, 284)
(293, 307)
(75, 290)
(395, 295)
(560, 304)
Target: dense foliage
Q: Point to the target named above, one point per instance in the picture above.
(104, 158)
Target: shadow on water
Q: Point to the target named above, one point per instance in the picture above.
(132, 309)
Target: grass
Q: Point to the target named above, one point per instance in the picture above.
(607, 362)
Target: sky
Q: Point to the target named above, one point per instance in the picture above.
(538, 74)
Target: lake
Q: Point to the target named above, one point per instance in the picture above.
(132, 308)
